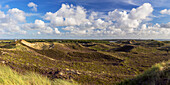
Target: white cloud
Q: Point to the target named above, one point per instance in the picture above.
(17, 14)
(57, 31)
(42, 27)
(165, 11)
(141, 12)
(67, 15)
(133, 19)
(39, 24)
(33, 6)
(155, 31)
(167, 25)
(2, 15)
(39, 33)
(9, 23)
(93, 16)
(47, 30)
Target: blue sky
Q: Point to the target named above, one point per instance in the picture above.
(85, 19)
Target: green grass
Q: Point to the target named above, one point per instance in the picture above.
(11, 77)
(158, 74)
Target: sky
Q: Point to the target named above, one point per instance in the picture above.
(84, 19)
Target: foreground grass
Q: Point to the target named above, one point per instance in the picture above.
(157, 75)
(11, 77)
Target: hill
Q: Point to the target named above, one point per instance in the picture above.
(157, 75)
(94, 62)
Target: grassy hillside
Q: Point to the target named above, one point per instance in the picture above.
(159, 74)
(87, 62)
(11, 77)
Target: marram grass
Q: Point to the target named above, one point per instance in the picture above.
(157, 75)
(11, 77)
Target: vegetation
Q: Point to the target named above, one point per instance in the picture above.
(94, 62)
(158, 74)
(7, 44)
(156, 44)
(11, 77)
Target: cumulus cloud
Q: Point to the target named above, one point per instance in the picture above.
(47, 30)
(115, 23)
(155, 31)
(33, 6)
(132, 19)
(17, 14)
(75, 21)
(40, 26)
(165, 11)
(141, 12)
(67, 15)
(9, 23)
(57, 31)
(121, 24)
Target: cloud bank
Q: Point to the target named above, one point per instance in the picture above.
(76, 21)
